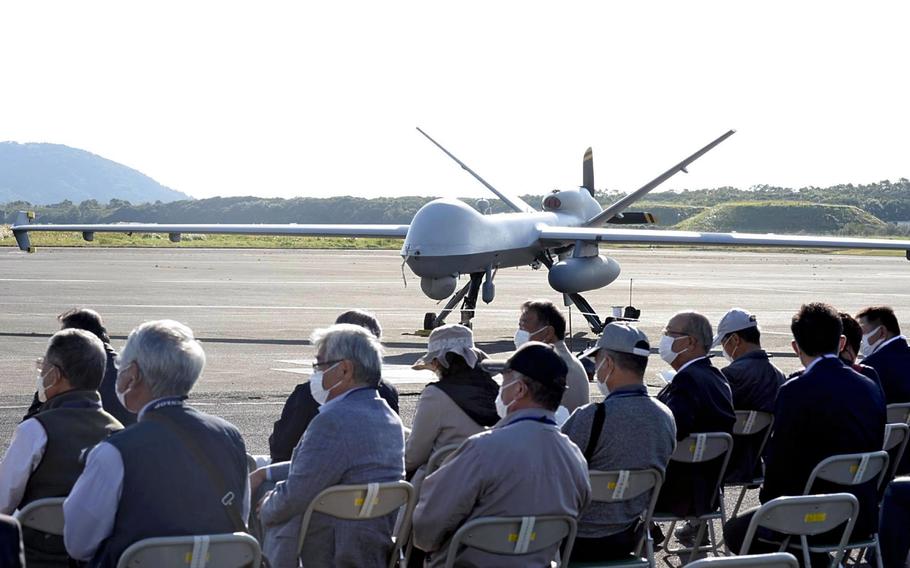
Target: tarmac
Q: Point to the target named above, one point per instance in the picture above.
(254, 310)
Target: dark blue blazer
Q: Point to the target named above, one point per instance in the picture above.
(12, 553)
(827, 411)
(892, 363)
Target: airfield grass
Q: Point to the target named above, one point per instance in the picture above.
(153, 240)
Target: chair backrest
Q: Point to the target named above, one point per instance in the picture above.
(750, 422)
(363, 502)
(899, 412)
(439, 457)
(45, 515)
(806, 516)
(772, 560)
(896, 438)
(850, 469)
(514, 535)
(703, 447)
(251, 464)
(237, 550)
(624, 485)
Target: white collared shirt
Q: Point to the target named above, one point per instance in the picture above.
(681, 369)
(819, 358)
(25, 451)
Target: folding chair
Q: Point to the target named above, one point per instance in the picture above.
(237, 550)
(251, 464)
(625, 485)
(514, 536)
(850, 470)
(806, 516)
(364, 502)
(45, 515)
(700, 448)
(439, 457)
(899, 413)
(896, 438)
(748, 423)
(772, 560)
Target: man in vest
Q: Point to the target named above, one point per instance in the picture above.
(176, 472)
(43, 459)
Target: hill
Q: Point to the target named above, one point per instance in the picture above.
(52, 173)
(783, 217)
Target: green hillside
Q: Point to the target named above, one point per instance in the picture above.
(783, 217)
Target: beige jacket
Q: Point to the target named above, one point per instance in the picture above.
(521, 467)
(579, 392)
(437, 423)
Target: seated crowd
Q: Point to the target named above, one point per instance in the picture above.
(117, 437)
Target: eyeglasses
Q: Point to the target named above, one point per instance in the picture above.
(672, 333)
(323, 365)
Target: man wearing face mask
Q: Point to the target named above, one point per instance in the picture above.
(628, 430)
(542, 321)
(524, 466)
(355, 439)
(828, 410)
(43, 459)
(884, 349)
(175, 472)
(754, 382)
(700, 399)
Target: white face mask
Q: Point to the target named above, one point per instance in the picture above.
(666, 349)
(502, 409)
(42, 390)
(729, 357)
(121, 395)
(320, 394)
(602, 386)
(522, 336)
(865, 348)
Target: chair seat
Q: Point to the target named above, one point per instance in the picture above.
(630, 560)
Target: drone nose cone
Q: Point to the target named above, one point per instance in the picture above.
(444, 227)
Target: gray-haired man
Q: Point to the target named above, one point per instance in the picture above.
(628, 430)
(44, 456)
(175, 472)
(356, 438)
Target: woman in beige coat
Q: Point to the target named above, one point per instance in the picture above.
(460, 404)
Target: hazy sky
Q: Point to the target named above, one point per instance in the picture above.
(306, 98)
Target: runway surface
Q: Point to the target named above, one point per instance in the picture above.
(254, 310)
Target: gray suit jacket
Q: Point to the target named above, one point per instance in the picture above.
(356, 439)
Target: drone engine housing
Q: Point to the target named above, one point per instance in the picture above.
(574, 275)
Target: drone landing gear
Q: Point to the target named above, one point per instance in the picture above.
(468, 298)
(630, 313)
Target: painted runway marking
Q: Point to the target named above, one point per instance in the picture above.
(394, 374)
(195, 281)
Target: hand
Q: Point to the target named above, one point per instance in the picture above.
(256, 479)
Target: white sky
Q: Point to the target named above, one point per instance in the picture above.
(305, 98)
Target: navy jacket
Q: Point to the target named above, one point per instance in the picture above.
(827, 411)
(12, 553)
(892, 363)
(700, 399)
(754, 382)
(299, 410)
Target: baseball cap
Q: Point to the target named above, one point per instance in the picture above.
(535, 360)
(622, 338)
(734, 320)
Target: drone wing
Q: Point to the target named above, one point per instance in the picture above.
(553, 236)
(24, 226)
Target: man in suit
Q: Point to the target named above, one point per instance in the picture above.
(176, 472)
(524, 466)
(700, 399)
(884, 349)
(828, 410)
(44, 458)
(300, 408)
(356, 438)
